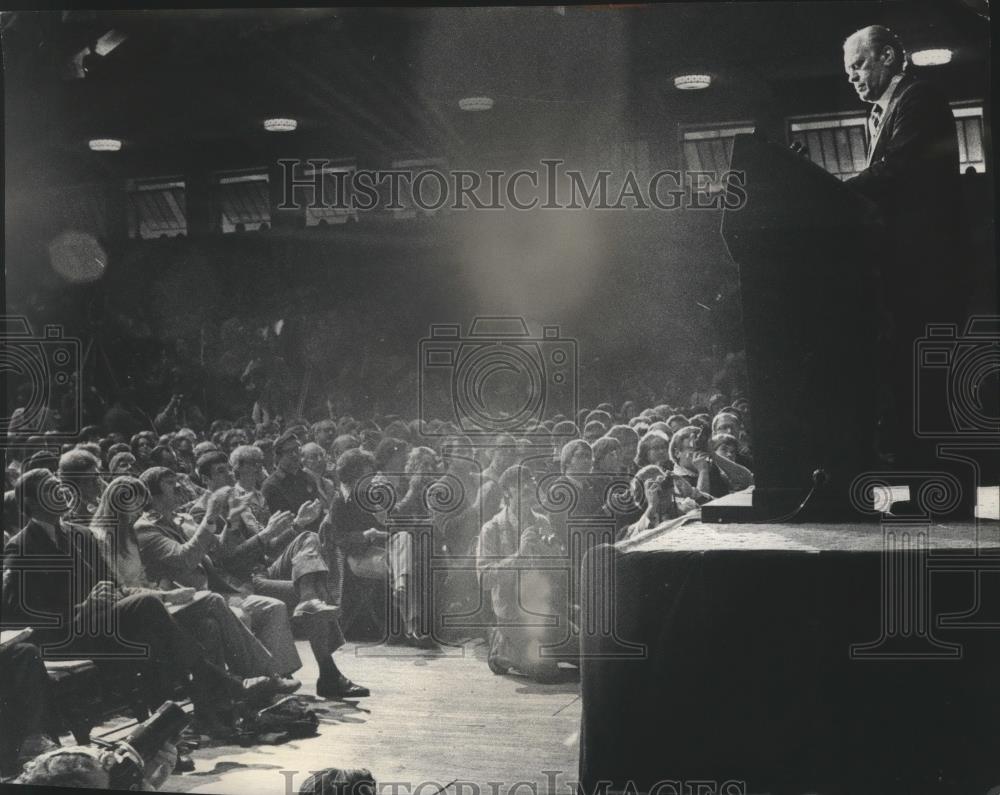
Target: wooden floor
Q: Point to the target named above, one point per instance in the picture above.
(433, 721)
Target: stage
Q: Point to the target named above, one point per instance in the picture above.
(796, 658)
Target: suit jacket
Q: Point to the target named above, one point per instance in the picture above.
(168, 554)
(44, 580)
(913, 177)
(915, 150)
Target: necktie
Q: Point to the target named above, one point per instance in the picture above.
(875, 119)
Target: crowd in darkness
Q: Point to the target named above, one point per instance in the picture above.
(217, 543)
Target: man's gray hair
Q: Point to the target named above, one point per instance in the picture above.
(879, 37)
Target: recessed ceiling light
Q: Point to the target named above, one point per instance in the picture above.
(931, 57)
(475, 103)
(280, 125)
(692, 82)
(105, 144)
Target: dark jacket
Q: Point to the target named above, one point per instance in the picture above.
(44, 581)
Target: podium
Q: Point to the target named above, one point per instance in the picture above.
(806, 247)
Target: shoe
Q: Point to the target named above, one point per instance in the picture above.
(314, 607)
(286, 685)
(185, 764)
(258, 688)
(340, 688)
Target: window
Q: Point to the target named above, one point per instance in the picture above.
(336, 202)
(243, 200)
(156, 208)
(429, 187)
(837, 143)
(710, 149)
(969, 125)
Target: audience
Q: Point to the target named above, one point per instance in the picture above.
(214, 545)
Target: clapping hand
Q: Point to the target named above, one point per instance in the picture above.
(308, 512)
(218, 503)
(238, 504)
(105, 593)
(701, 461)
(276, 525)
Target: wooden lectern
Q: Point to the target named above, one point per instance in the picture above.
(806, 247)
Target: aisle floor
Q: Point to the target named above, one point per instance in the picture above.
(434, 723)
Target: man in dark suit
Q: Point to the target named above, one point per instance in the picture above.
(912, 175)
(52, 581)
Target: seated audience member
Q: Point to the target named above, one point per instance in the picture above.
(610, 475)
(273, 555)
(256, 552)
(123, 464)
(163, 456)
(675, 422)
(729, 423)
(86, 601)
(654, 448)
(629, 441)
(519, 592)
(324, 433)
(80, 474)
(390, 463)
(203, 447)
(183, 446)
(26, 707)
(113, 526)
(652, 490)
(701, 471)
(90, 767)
(341, 445)
(288, 488)
(142, 445)
(334, 781)
(314, 464)
(594, 430)
(628, 411)
(174, 551)
(725, 452)
(369, 434)
(354, 533)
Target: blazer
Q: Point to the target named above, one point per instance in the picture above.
(913, 163)
(44, 580)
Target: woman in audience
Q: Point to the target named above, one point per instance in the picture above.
(654, 448)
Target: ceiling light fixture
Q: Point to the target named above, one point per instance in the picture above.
(692, 82)
(105, 144)
(475, 103)
(931, 57)
(280, 125)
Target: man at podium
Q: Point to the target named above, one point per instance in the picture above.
(912, 175)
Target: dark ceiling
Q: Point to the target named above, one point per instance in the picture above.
(189, 89)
